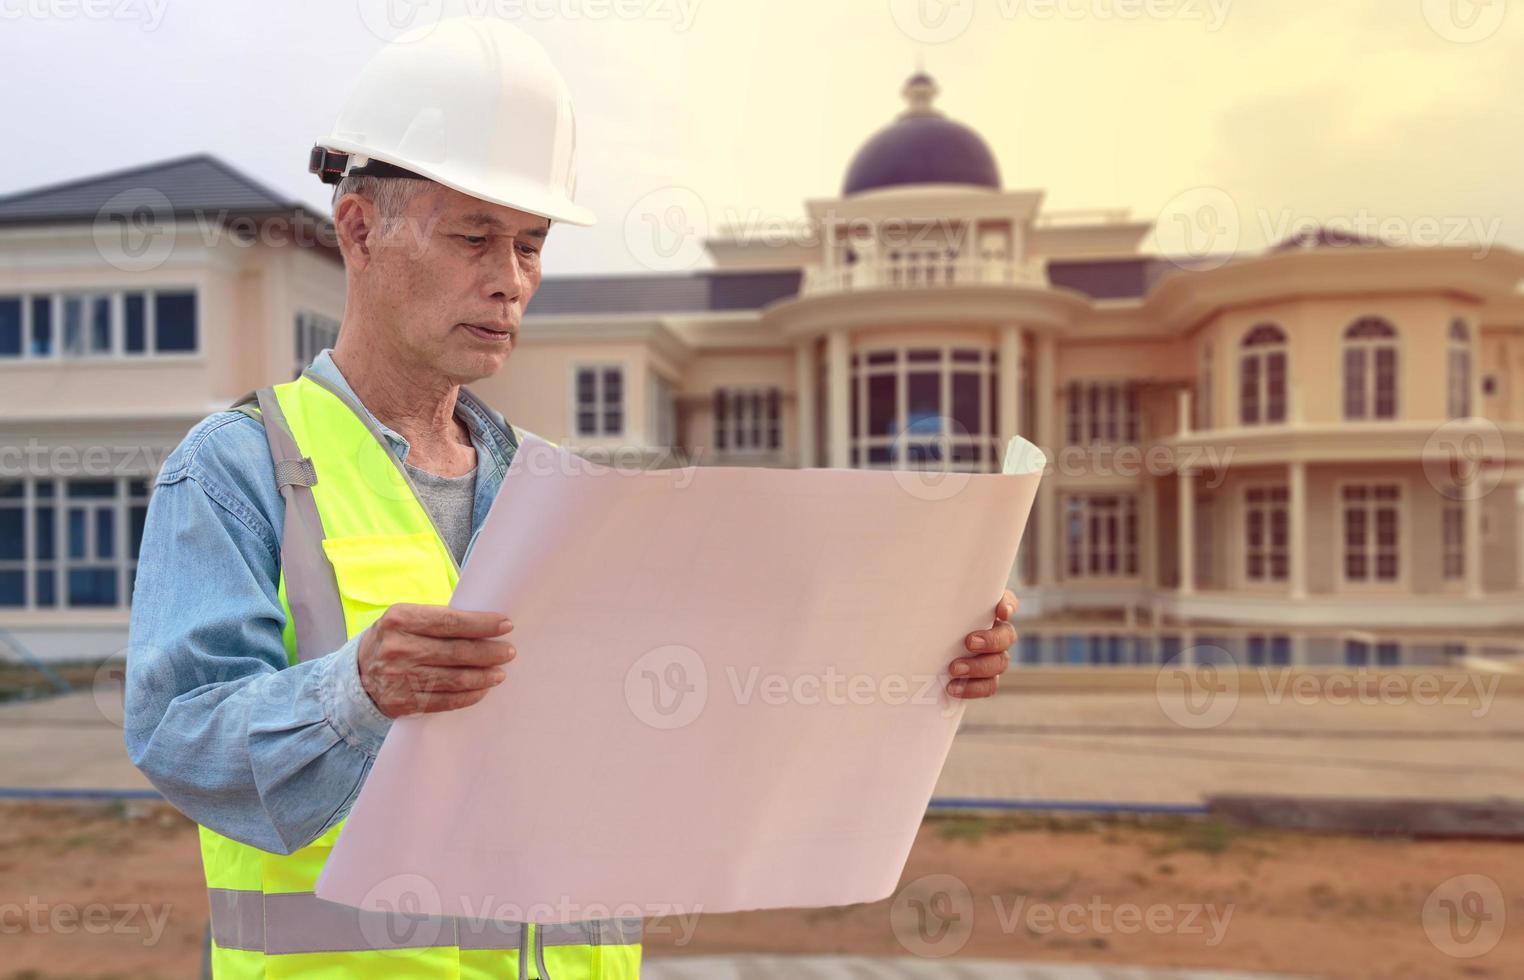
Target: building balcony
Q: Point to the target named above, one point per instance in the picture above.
(1140, 603)
(1483, 440)
(919, 272)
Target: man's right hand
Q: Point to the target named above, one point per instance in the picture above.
(416, 658)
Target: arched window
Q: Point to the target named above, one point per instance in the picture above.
(1460, 369)
(1262, 376)
(1370, 369)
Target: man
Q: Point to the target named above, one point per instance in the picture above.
(290, 598)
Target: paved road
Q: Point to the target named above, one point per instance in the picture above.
(1102, 746)
(863, 968)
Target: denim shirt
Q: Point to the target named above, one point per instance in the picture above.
(264, 752)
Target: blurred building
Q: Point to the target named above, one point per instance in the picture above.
(132, 305)
(1307, 455)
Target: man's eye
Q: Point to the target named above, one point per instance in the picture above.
(528, 250)
(474, 239)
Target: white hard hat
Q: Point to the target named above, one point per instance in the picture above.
(471, 102)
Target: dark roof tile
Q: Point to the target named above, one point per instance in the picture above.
(699, 292)
(198, 184)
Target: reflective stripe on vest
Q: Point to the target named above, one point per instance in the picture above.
(356, 540)
(300, 922)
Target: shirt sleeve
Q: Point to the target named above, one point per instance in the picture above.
(266, 753)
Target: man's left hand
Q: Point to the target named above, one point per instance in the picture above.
(978, 675)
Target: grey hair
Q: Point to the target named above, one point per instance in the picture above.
(390, 194)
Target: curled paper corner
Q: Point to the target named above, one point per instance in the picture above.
(1023, 456)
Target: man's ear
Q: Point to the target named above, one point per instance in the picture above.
(356, 221)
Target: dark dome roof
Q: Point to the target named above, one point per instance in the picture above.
(922, 146)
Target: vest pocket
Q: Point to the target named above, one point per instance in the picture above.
(377, 571)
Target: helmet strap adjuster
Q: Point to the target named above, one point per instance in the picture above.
(328, 165)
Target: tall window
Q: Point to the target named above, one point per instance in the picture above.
(748, 419)
(823, 406)
(1454, 532)
(99, 323)
(1371, 529)
(1204, 392)
(1266, 534)
(1262, 376)
(1204, 515)
(1268, 651)
(1360, 653)
(925, 405)
(600, 400)
(70, 543)
(12, 334)
(1101, 531)
(1102, 412)
(1459, 370)
(314, 333)
(1028, 404)
(1370, 370)
(85, 319)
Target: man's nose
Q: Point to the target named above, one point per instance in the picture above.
(507, 284)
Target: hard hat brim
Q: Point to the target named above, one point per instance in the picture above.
(520, 196)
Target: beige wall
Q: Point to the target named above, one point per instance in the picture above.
(246, 301)
(1421, 534)
(1502, 357)
(1315, 329)
(757, 369)
(534, 390)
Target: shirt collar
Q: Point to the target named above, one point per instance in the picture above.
(487, 426)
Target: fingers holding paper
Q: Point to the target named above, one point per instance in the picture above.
(978, 675)
(418, 658)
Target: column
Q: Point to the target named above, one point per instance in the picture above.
(1008, 370)
(1183, 412)
(1148, 532)
(1471, 510)
(1186, 508)
(1518, 558)
(1478, 407)
(1008, 399)
(804, 402)
(1296, 528)
(1046, 408)
(838, 383)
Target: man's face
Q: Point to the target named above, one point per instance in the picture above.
(450, 281)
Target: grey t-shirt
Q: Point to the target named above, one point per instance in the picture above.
(449, 500)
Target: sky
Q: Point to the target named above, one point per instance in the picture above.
(1225, 121)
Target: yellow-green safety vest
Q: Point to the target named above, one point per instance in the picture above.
(357, 541)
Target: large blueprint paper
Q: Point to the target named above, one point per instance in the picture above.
(729, 693)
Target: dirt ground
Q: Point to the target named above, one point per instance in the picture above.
(97, 892)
